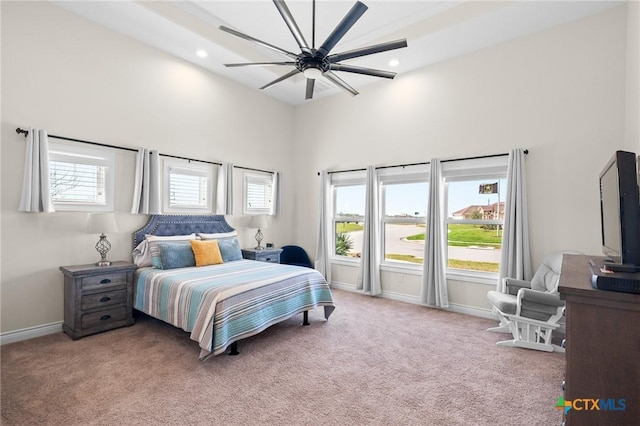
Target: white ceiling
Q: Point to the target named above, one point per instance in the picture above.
(435, 31)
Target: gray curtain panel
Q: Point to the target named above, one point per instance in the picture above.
(146, 186)
(515, 259)
(434, 267)
(224, 192)
(276, 198)
(369, 274)
(322, 259)
(36, 195)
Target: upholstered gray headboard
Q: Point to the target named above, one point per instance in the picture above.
(181, 225)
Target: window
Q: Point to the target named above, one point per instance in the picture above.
(475, 216)
(188, 187)
(348, 215)
(404, 202)
(257, 193)
(81, 178)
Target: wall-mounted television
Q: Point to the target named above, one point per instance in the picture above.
(620, 212)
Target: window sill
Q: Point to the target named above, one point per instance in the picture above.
(401, 269)
(345, 262)
(489, 279)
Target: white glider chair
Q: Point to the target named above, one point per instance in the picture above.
(531, 310)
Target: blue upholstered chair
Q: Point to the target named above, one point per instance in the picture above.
(294, 255)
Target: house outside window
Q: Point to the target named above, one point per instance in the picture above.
(475, 199)
(81, 178)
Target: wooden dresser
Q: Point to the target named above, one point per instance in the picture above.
(602, 349)
(97, 298)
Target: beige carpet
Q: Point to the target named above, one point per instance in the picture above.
(375, 361)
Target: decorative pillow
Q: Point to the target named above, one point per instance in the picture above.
(206, 252)
(176, 255)
(153, 241)
(230, 249)
(218, 235)
(142, 255)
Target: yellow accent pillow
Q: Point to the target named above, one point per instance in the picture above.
(206, 252)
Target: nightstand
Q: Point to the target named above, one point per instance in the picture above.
(271, 255)
(97, 298)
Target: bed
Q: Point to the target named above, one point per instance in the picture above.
(221, 303)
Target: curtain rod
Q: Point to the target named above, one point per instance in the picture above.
(526, 151)
(253, 170)
(26, 132)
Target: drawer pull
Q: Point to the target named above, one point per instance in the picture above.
(268, 259)
(105, 299)
(105, 317)
(105, 281)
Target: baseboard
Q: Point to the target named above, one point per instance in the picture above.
(453, 307)
(30, 333)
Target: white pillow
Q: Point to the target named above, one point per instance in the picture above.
(217, 235)
(142, 253)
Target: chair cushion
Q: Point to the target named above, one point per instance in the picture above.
(505, 303)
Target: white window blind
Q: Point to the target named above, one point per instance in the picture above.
(258, 193)
(81, 178)
(188, 187)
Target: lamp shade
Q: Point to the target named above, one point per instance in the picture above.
(101, 223)
(258, 221)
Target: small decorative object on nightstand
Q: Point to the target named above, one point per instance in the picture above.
(97, 298)
(259, 221)
(101, 223)
(271, 255)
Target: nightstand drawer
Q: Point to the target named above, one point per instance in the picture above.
(268, 257)
(104, 282)
(99, 300)
(105, 317)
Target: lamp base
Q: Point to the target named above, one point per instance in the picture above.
(258, 248)
(103, 263)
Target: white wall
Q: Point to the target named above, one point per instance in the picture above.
(76, 79)
(632, 119)
(559, 93)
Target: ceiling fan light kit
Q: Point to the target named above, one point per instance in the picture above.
(318, 63)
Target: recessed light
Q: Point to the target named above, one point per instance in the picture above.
(394, 63)
(201, 53)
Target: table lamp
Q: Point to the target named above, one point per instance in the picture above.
(260, 222)
(101, 223)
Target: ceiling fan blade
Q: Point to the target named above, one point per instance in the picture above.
(293, 26)
(260, 42)
(369, 50)
(341, 29)
(259, 64)
(310, 84)
(279, 79)
(362, 70)
(339, 82)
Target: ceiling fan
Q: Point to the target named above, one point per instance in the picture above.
(317, 63)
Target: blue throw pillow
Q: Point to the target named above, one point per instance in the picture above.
(230, 249)
(176, 255)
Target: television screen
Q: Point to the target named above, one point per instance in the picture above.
(620, 209)
(610, 210)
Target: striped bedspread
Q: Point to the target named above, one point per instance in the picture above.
(221, 304)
